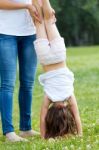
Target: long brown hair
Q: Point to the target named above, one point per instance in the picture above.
(59, 122)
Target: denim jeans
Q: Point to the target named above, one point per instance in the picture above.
(11, 48)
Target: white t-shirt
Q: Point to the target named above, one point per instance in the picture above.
(16, 22)
(58, 84)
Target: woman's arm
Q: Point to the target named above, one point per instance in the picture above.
(74, 108)
(11, 5)
(8, 5)
(44, 109)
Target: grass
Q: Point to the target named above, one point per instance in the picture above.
(84, 61)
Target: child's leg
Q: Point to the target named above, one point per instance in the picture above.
(41, 44)
(40, 27)
(51, 29)
(40, 30)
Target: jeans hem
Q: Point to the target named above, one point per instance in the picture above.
(8, 131)
(25, 129)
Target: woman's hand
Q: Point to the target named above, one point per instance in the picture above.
(34, 13)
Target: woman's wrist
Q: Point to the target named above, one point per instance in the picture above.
(11, 5)
(27, 6)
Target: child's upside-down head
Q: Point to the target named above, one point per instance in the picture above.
(59, 121)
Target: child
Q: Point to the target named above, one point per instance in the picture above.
(59, 112)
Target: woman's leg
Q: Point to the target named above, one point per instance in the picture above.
(8, 63)
(27, 69)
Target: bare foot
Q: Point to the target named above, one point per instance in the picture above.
(12, 137)
(29, 133)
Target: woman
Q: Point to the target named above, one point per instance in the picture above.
(17, 33)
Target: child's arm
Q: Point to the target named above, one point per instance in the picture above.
(74, 108)
(44, 109)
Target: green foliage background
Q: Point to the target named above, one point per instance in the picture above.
(78, 21)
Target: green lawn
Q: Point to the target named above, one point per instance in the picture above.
(84, 62)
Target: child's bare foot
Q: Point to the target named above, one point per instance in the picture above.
(12, 137)
(29, 133)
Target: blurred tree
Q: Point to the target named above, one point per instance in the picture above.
(78, 21)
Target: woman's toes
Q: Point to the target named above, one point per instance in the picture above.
(29, 133)
(12, 137)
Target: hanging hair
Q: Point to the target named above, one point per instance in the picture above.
(59, 121)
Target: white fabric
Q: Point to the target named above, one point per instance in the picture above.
(16, 22)
(50, 53)
(58, 84)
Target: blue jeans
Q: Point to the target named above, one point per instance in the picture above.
(12, 47)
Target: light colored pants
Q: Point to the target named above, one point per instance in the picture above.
(50, 52)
